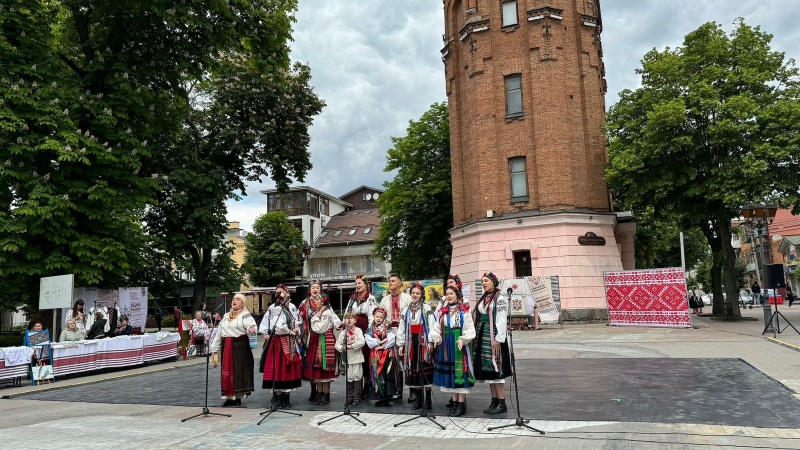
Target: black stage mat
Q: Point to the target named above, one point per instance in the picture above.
(698, 391)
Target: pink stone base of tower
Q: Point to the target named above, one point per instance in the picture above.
(552, 239)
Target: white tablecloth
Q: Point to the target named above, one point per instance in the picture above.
(6, 372)
(120, 351)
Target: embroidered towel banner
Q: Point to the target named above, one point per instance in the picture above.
(655, 298)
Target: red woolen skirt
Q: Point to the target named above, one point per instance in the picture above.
(280, 372)
(317, 366)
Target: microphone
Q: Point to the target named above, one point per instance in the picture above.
(509, 291)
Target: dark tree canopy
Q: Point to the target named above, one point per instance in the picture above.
(417, 207)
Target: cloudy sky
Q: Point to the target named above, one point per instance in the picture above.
(377, 65)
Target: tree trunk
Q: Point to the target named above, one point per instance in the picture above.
(729, 264)
(715, 242)
(201, 266)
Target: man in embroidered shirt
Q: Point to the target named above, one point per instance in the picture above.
(394, 304)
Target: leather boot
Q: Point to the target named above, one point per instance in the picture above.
(286, 403)
(492, 406)
(313, 395)
(357, 388)
(461, 409)
(453, 409)
(350, 391)
(326, 398)
(412, 395)
(417, 400)
(500, 408)
(428, 400)
(449, 404)
(365, 390)
(318, 399)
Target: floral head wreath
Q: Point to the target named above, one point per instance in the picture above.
(458, 292)
(282, 286)
(317, 282)
(456, 279)
(379, 310)
(417, 286)
(364, 279)
(492, 277)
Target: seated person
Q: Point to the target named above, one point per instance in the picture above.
(43, 351)
(200, 331)
(124, 329)
(98, 327)
(71, 333)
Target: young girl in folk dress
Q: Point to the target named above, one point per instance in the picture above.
(384, 368)
(450, 335)
(362, 303)
(282, 364)
(492, 360)
(321, 358)
(351, 341)
(412, 342)
(307, 309)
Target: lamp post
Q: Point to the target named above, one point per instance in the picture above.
(760, 216)
(306, 253)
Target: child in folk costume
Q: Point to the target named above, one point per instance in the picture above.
(394, 303)
(282, 364)
(384, 368)
(321, 358)
(492, 360)
(412, 343)
(451, 335)
(352, 340)
(363, 303)
(307, 309)
(232, 346)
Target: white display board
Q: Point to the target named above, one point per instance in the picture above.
(56, 292)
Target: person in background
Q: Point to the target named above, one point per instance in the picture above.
(159, 317)
(694, 301)
(177, 314)
(33, 326)
(789, 295)
(756, 289)
(36, 326)
(98, 327)
(79, 316)
(124, 329)
(71, 333)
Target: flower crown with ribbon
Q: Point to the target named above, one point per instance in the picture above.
(417, 286)
(492, 277)
(380, 310)
(456, 279)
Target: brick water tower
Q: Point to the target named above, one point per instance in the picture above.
(526, 87)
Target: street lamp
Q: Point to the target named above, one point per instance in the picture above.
(760, 217)
(306, 253)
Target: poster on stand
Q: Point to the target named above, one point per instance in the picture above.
(133, 303)
(655, 298)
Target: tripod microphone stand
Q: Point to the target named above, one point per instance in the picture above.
(423, 411)
(520, 422)
(346, 412)
(776, 330)
(273, 404)
(205, 411)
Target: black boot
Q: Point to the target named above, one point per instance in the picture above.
(417, 400)
(286, 403)
(461, 409)
(428, 400)
(229, 402)
(449, 404)
(350, 391)
(500, 408)
(318, 399)
(412, 395)
(326, 398)
(453, 408)
(365, 390)
(357, 388)
(313, 395)
(492, 406)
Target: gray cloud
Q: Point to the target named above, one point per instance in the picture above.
(377, 65)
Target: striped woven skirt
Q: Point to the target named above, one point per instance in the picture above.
(450, 370)
(484, 365)
(279, 371)
(320, 363)
(420, 372)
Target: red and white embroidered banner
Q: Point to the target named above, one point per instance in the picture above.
(655, 298)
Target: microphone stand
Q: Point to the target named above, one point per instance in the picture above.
(346, 412)
(423, 413)
(520, 422)
(273, 405)
(205, 411)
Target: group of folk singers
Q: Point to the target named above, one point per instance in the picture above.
(402, 340)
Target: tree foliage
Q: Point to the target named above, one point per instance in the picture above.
(713, 127)
(658, 242)
(417, 207)
(269, 256)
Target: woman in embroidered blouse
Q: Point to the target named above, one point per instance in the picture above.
(450, 335)
(232, 345)
(363, 303)
(322, 363)
(412, 343)
(307, 309)
(452, 281)
(491, 356)
(282, 364)
(384, 368)
(79, 316)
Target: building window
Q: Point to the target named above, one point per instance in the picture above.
(514, 95)
(338, 233)
(519, 179)
(367, 230)
(353, 231)
(522, 264)
(323, 234)
(510, 13)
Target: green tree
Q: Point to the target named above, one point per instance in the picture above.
(269, 256)
(713, 127)
(417, 207)
(658, 242)
(92, 93)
